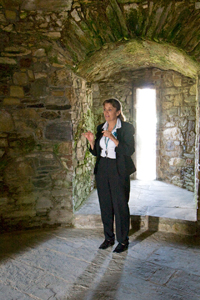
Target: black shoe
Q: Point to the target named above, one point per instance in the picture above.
(121, 247)
(106, 244)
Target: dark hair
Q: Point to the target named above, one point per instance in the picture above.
(117, 104)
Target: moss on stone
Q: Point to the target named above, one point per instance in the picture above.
(135, 54)
(53, 59)
(56, 149)
(114, 23)
(3, 164)
(132, 20)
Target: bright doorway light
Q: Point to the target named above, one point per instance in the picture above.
(146, 133)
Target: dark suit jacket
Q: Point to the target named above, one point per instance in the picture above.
(124, 150)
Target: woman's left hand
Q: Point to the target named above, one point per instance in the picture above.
(107, 133)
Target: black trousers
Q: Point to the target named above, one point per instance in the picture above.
(113, 192)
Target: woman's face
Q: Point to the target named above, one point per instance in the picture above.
(110, 112)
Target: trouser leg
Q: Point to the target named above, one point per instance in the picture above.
(113, 191)
(105, 199)
(120, 188)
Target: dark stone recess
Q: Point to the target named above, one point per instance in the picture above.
(40, 105)
(58, 107)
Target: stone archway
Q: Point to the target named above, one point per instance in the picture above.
(116, 71)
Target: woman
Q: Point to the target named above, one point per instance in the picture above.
(113, 146)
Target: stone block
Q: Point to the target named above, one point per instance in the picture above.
(8, 28)
(3, 143)
(173, 111)
(177, 81)
(68, 163)
(16, 91)
(2, 18)
(10, 14)
(178, 100)
(190, 99)
(79, 171)
(17, 174)
(3, 201)
(6, 121)
(43, 204)
(62, 77)
(7, 61)
(191, 138)
(176, 161)
(16, 51)
(58, 93)
(21, 214)
(60, 193)
(187, 111)
(173, 133)
(53, 35)
(38, 88)
(75, 15)
(193, 90)
(31, 75)
(169, 145)
(65, 148)
(44, 183)
(59, 132)
(167, 105)
(20, 78)
(55, 65)
(64, 202)
(39, 52)
(50, 115)
(197, 5)
(189, 161)
(27, 199)
(40, 75)
(1, 153)
(170, 91)
(11, 101)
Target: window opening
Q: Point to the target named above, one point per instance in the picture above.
(146, 133)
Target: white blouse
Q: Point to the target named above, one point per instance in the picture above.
(107, 145)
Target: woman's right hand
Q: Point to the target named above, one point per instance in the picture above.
(90, 137)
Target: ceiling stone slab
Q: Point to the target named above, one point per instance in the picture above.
(48, 5)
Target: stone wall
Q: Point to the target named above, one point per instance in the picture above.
(45, 166)
(178, 130)
(83, 161)
(35, 144)
(177, 109)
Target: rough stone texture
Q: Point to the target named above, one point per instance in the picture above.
(58, 131)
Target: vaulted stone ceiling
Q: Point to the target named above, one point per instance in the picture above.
(93, 27)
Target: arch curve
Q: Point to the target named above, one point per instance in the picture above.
(136, 54)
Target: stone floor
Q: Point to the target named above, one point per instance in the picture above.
(65, 263)
(152, 198)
